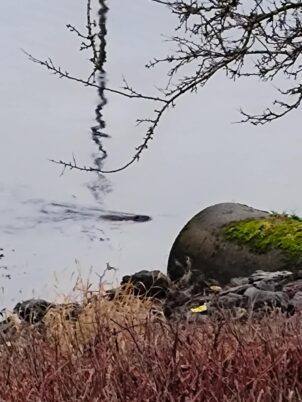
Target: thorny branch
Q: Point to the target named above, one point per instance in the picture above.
(56, 70)
(259, 38)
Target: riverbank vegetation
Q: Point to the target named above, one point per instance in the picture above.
(125, 350)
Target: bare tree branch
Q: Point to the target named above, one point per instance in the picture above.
(49, 65)
(259, 38)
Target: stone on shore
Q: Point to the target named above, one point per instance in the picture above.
(230, 240)
(148, 283)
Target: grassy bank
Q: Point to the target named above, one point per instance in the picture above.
(123, 350)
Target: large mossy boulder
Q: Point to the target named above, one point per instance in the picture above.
(231, 240)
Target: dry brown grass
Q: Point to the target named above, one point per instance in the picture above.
(121, 351)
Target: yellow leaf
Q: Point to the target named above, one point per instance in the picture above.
(199, 309)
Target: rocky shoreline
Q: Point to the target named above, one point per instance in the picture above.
(213, 270)
(256, 295)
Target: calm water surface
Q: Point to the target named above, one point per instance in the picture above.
(51, 225)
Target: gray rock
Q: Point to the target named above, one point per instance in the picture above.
(295, 304)
(235, 289)
(229, 301)
(292, 288)
(267, 285)
(270, 281)
(238, 301)
(276, 276)
(239, 281)
(148, 283)
(176, 305)
(7, 329)
(201, 250)
(256, 299)
(69, 311)
(33, 310)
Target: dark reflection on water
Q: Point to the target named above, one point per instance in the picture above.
(100, 185)
(98, 132)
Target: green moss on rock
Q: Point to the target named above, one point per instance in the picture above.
(281, 232)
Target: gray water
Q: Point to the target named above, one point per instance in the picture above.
(50, 224)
